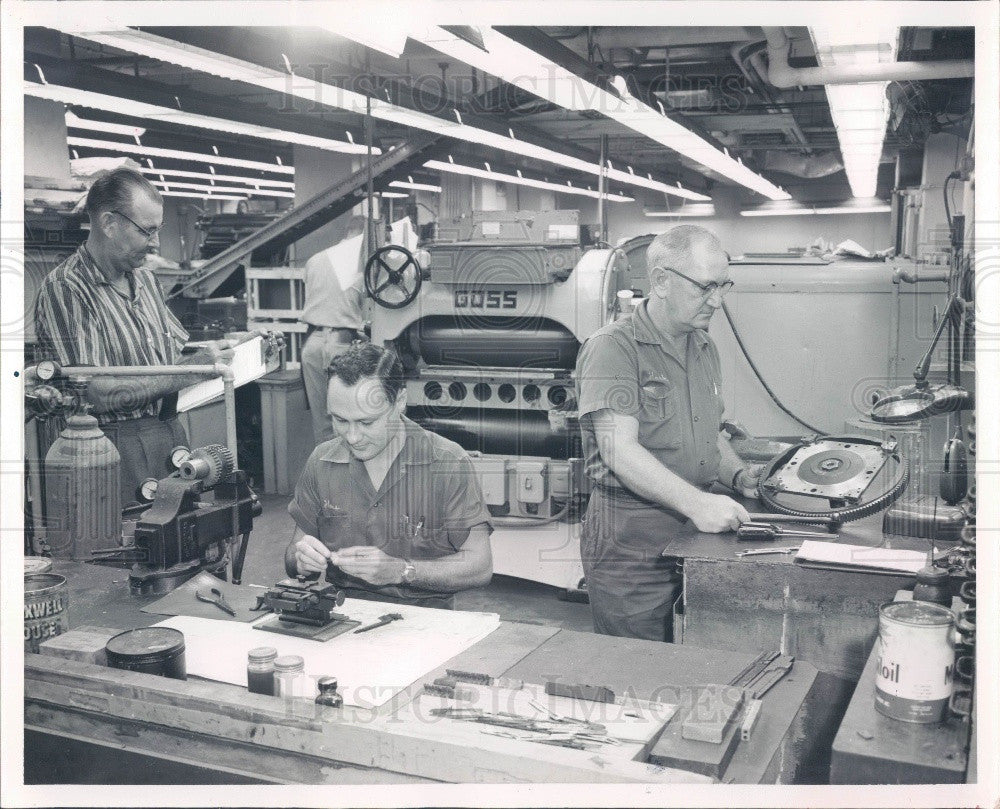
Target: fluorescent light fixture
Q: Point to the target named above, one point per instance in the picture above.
(194, 195)
(841, 209)
(506, 59)
(254, 192)
(529, 70)
(859, 111)
(434, 189)
(383, 36)
(698, 209)
(73, 122)
(484, 174)
(314, 92)
(222, 178)
(177, 154)
(153, 112)
(392, 195)
(858, 206)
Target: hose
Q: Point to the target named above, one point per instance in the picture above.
(844, 514)
(756, 371)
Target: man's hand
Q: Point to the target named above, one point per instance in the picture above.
(747, 479)
(210, 352)
(369, 564)
(311, 555)
(716, 513)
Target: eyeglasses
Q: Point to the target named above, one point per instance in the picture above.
(149, 234)
(706, 289)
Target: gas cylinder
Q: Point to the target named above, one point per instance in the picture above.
(83, 509)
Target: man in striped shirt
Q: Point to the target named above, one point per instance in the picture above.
(100, 307)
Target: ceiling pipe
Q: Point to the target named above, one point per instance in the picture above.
(738, 54)
(811, 167)
(780, 74)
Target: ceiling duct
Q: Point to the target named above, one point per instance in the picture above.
(780, 74)
(810, 167)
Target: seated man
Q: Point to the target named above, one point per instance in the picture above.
(395, 510)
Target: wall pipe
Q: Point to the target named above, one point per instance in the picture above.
(781, 75)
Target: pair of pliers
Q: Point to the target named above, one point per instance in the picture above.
(216, 598)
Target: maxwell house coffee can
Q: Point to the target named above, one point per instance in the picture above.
(46, 608)
(916, 661)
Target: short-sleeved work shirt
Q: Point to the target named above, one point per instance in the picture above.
(426, 506)
(629, 368)
(82, 319)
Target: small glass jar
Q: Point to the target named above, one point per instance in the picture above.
(328, 694)
(260, 670)
(289, 671)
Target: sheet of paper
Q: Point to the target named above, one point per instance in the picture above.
(371, 667)
(247, 366)
(835, 553)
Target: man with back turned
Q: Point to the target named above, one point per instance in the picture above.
(650, 405)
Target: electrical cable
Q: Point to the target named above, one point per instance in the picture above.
(760, 378)
(947, 207)
(521, 522)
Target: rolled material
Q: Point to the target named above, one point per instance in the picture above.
(485, 341)
(499, 432)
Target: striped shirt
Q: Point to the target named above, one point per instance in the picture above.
(82, 319)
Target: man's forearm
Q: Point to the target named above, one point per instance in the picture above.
(648, 478)
(729, 462)
(111, 393)
(470, 566)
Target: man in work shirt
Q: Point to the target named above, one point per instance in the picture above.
(102, 307)
(395, 509)
(650, 412)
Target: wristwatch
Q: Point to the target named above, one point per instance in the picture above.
(735, 485)
(409, 572)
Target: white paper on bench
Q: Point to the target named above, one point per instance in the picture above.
(371, 667)
(834, 553)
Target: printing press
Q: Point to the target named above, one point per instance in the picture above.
(488, 329)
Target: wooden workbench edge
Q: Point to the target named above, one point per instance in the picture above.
(350, 736)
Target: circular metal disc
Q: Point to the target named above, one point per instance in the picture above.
(831, 467)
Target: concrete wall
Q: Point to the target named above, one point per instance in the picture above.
(315, 171)
(45, 152)
(942, 155)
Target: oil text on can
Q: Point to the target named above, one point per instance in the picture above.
(916, 661)
(46, 608)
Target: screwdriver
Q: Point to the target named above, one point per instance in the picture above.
(768, 531)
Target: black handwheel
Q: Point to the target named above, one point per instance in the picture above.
(393, 268)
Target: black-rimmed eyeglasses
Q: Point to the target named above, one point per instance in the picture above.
(149, 234)
(706, 289)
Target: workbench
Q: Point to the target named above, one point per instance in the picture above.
(871, 748)
(89, 724)
(826, 617)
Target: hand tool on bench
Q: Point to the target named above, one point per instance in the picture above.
(216, 597)
(770, 531)
(832, 523)
(764, 551)
(388, 618)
